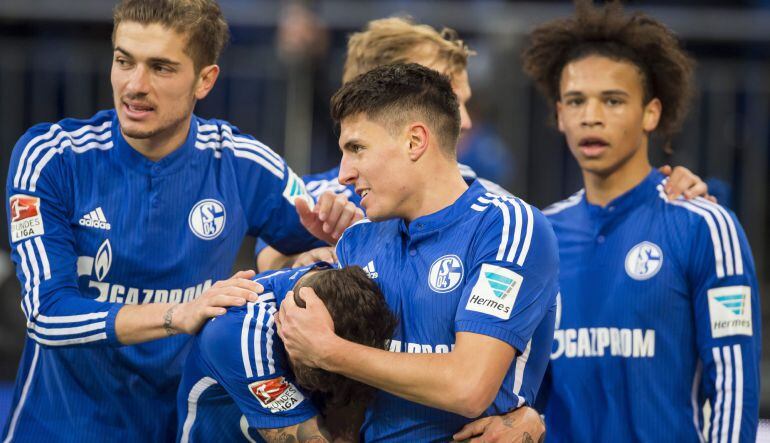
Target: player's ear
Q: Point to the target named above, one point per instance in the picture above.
(558, 115)
(652, 111)
(418, 137)
(206, 80)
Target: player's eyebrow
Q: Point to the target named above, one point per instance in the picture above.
(163, 60)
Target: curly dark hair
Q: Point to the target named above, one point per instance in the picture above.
(666, 70)
(396, 92)
(360, 315)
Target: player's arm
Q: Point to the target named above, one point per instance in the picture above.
(310, 431)
(485, 346)
(43, 250)
(727, 317)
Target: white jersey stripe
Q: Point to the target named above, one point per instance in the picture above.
(528, 238)
(728, 394)
(62, 140)
(729, 262)
(516, 230)
(694, 400)
(518, 377)
(245, 339)
(243, 154)
(73, 341)
(571, 201)
(269, 340)
(733, 236)
(68, 331)
(478, 208)
(43, 258)
(506, 226)
(27, 278)
(35, 276)
(71, 318)
(261, 148)
(53, 151)
(258, 341)
(738, 414)
(717, 412)
(192, 405)
(23, 398)
(27, 148)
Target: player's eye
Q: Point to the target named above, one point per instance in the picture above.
(120, 61)
(613, 101)
(162, 69)
(575, 101)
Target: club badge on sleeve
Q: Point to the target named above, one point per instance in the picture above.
(26, 220)
(730, 311)
(276, 394)
(495, 292)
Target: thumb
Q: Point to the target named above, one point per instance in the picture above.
(303, 208)
(309, 296)
(471, 430)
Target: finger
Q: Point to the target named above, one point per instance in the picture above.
(247, 274)
(711, 198)
(211, 311)
(224, 301)
(675, 187)
(665, 170)
(359, 215)
(309, 296)
(345, 220)
(470, 430)
(324, 205)
(326, 255)
(339, 205)
(233, 291)
(288, 304)
(697, 190)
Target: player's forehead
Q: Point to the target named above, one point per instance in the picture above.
(359, 128)
(597, 74)
(150, 41)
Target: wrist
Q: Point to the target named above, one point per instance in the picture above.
(331, 350)
(171, 320)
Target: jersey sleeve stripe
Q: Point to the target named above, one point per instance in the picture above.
(260, 147)
(72, 318)
(23, 398)
(516, 230)
(696, 409)
(258, 341)
(571, 201)
(518, 377)
(719, 386)
(72, 341)
(738, 413)
(736, 245)
(192, 405)
(43, 258)
(270, 326)
(28, 147)
(506, 226)
(715, 239)
(729, 262)
(27, 284)
(528, 238)
(245, 339)
(241, 153)
(68, 331)
(728, 393)
(35, 276)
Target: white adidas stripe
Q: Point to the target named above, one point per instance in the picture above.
(51, 138)
(72, 341)
(516, 231)
(728, 393)
(694, 400)
(504, 204)
(738, 413)
(518, 377)
(245, 339)
(258, 341)
(571, 201)
(23, 398)
(242, 146)
(269, 340)
(240, 154)
(192, 405)
(54, 151)
(719, 385)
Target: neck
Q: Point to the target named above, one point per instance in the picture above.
(162, 144)
(439, 189)
(601, 189)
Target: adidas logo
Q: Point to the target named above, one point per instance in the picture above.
(370, 271)
(732, 302)
(500, 285)
(95, 219)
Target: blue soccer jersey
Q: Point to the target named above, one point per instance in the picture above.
(237, 379)
(659, 315)
(94, 225)
(486, 264)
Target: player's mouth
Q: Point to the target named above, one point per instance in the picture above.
(593, 146)
(363, 193)
(137, 110)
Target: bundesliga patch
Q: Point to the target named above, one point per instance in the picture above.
(730, 311)
(277, 394)
(26, 220)
(295, 188)
(495, 292)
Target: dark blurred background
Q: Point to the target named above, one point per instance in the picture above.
(55, 58)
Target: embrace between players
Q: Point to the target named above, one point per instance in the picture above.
(439, 317)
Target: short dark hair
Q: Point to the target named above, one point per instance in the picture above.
(397, 92)
(666, 69)
(360, 314)
(200, 20)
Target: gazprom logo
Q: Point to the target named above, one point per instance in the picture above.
(207, 219)
(446, 273)
(501, 286)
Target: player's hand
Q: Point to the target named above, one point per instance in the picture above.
(330, 216)
(188, 318)
(682, 182)
(522, 425)
(306, 331)
(325, 253)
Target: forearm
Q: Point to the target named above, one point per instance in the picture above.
(310, 431)
(270, 259)
(142, 323)
(428, 379)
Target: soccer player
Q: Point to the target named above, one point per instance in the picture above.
(238, 381)
(120, 225)
(469, 274)
(660, 307)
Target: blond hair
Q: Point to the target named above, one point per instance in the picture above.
(400, 40)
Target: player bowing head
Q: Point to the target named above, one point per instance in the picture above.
(399, 126)
(238, 366)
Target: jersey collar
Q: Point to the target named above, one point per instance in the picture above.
(169, 164)
(452, 213)
(631, 199)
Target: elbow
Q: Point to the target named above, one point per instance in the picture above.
(473, 399)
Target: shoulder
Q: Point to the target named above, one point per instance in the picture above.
(514, 226)
(321, 182)
(43, 144)
(564, 207)
(225, 141)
